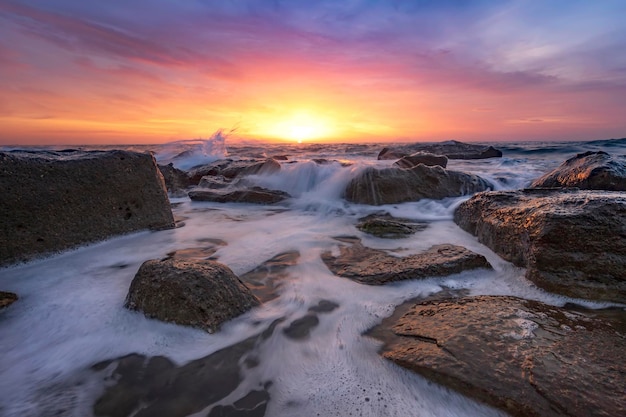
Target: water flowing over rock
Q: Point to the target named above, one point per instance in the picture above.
(396, 185)
(253, 195)
(201, 294)
(589, 170)
(571, 242)
(377, 267)
(452, 149)
(6, 299)
(425, 158)
(389, 227)
(54, 201)
(525, 357)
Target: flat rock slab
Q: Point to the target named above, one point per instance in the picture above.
(452, 149)
(254, 195)
(200, 293)
(525, 357)
(53, 201)
(571, 242)
(389, 227)
(377, 267)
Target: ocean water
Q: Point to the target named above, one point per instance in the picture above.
(70, 314)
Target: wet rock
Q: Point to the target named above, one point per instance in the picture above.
(266, 279)
(213, 169)
(141, 386)
(253, 195)
(215, 182)
(571, 242)
(324, 306)
(6, 299)
(176, 180)
(389, 227)
(425, 158)
(589, 170)
(301, 328)
(377, 267)
(54, 201)
(201, 294)
(397, 185)
(452, 149)
(280, 157)
(525, 357)
(243, 168)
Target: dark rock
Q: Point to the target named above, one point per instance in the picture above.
(377, 267)
(525, 357)
(201, 294)
(56, 201)
(252, 405)
(589, 170)
(243, 168)
(324, 306)
(301, 328)
(425, 158)
(212, 169)
(176, 180)
(389, 227)
(143, 386)
(254, 195)
(280, 157)
(397, 185)
(6, 299)
(572, 243)
(452, 149)
(266, 279)
(215, 182)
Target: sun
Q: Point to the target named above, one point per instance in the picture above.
(301, 126)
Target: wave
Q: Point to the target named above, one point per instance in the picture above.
(187, 154)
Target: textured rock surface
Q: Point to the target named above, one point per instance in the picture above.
(389, 227)
(6, 299)
(53, 201)
(452, 149)
(571, 242)
(525, 357)
(589, 170)
(266, 279)
(230, 169)
(425, 158)
(176, 180)
(201, 294)
(377, 267)
(254, 195)
(397, 185)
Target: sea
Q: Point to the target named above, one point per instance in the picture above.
(70, 313)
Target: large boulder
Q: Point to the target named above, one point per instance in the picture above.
(376, 267)
(452, 149)
(589, 170)
(253, 195)
(571, 242)
(525, 357)
(53, 201)
(425, 158)
(397, 185)
(201, 293)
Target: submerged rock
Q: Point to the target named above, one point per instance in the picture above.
(266, 279)
(253, 195)
(389, 227)
(589, 170)
(525, 357)
(6, 299)
(377, 267)
(176, 180)
(425, 158)
(571, 242)
(54, 201)
(397, 185)
(452, 149)
(201, 294)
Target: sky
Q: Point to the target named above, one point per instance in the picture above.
(153, 71)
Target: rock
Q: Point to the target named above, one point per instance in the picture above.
(572, 243)
(212, 169)
(525, 357)
(141, 386)
(230, 169)
(266, 279)
(589, 170)
(254, 195)
(397, 185)
(176, 180)
(377, 267)
(6, 299)
(389, 227)
(452, 149)
(54, 201)
(425, 158)
(215, 182)
(201, 294)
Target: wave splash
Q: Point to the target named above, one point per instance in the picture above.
(186, 154)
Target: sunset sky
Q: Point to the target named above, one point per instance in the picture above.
(151, 71)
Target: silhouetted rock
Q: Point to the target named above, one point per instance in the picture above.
(6, 299)
(201, 294)
(589, 170)
(387, 226)
(425, 158)
(176, 180)
(254, 195)
(398, 185)
(452, 149)
(571, 242)
(525, 357)
(377, 267)
(53, 201)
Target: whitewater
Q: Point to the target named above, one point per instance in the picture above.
(70, 314)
